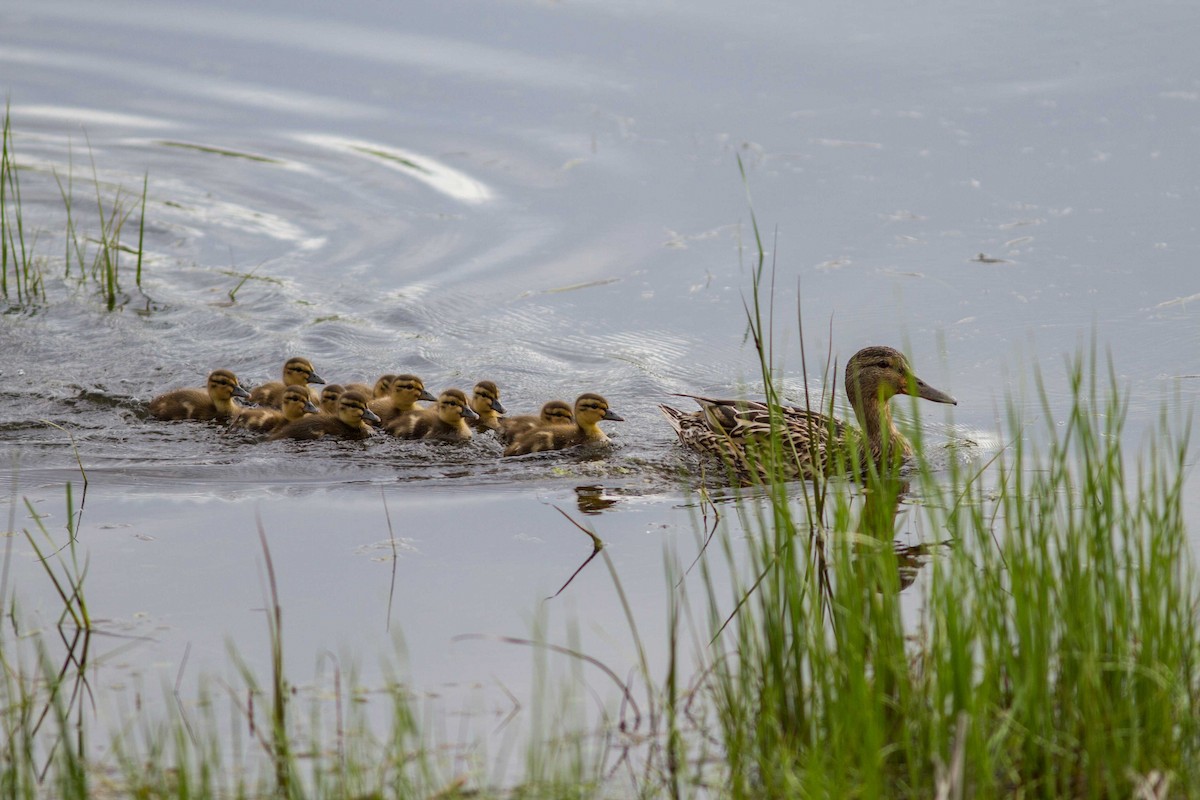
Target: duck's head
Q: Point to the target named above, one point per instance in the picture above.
(485, 399)
(591, 408)
(296, 402)
(383, 386)
(299, 371)
(352, 408)
(329, 397)
(223, 385)
(557, 412)
(878, 373)
(452, 407)
(408, 389)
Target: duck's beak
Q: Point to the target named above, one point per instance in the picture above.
(614, 416)
(469, 413)
(499, 409)
(927, 392)
(315, 378)
(427, 397)
(371, 416)
(309, 408)
(238, 391)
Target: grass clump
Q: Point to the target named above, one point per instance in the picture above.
(98, 259)
(1052, 651)
(1053, 654)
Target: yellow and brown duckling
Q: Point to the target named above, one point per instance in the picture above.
(555, 412)
(485, 401)
(214, 401)
(297, 401)
(447, 420)
(296, 372)
(403, 393)
(590, 409)
(350, 422)
(381, 388)
(329, 397)
(736, 430)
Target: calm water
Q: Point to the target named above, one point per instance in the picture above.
(547, 194)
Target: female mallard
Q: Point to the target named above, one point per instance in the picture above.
(813, 443)
(350, 422)
(589, 410)
(295, 404)
(447, 420)
(214, 401)
(555, 412)
(296, 372)
(485, 401)
(403, 393)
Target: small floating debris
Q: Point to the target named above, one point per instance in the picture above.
(984, 258)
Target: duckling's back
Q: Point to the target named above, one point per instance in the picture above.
(185, 404)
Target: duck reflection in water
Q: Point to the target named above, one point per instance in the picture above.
(878, 521)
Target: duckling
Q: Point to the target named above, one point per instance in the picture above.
(812, 443)
(215, 401)
(295, 404)
(329, 398)
(556, 412)
(404, 392)
(589, 410)
(350, 422)
(447, 420)
(296, 372)
(485, 401)
(380, 389)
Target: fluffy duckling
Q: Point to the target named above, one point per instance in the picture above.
(589, 410)
(381, 388)
(403, 393)
(556, 412)
(215, 401)
(447, 420)
(295, 404)
(329, 398)
(350, 422)
(485, 401)
(296, 372)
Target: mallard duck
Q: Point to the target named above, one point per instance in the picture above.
(403, 393)
(329, 397)
(350, 422)
(446, 420)
(296, 372)
(815, 443)
(556, 412)
(589, 410)
(215, 401)
(485, 401)
(295, 404)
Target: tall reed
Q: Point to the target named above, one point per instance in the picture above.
(1053, 652)
(21, 273)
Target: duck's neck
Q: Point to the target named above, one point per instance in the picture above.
(590, 430)
(223, 405)
(883, 441)
(488, 419)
